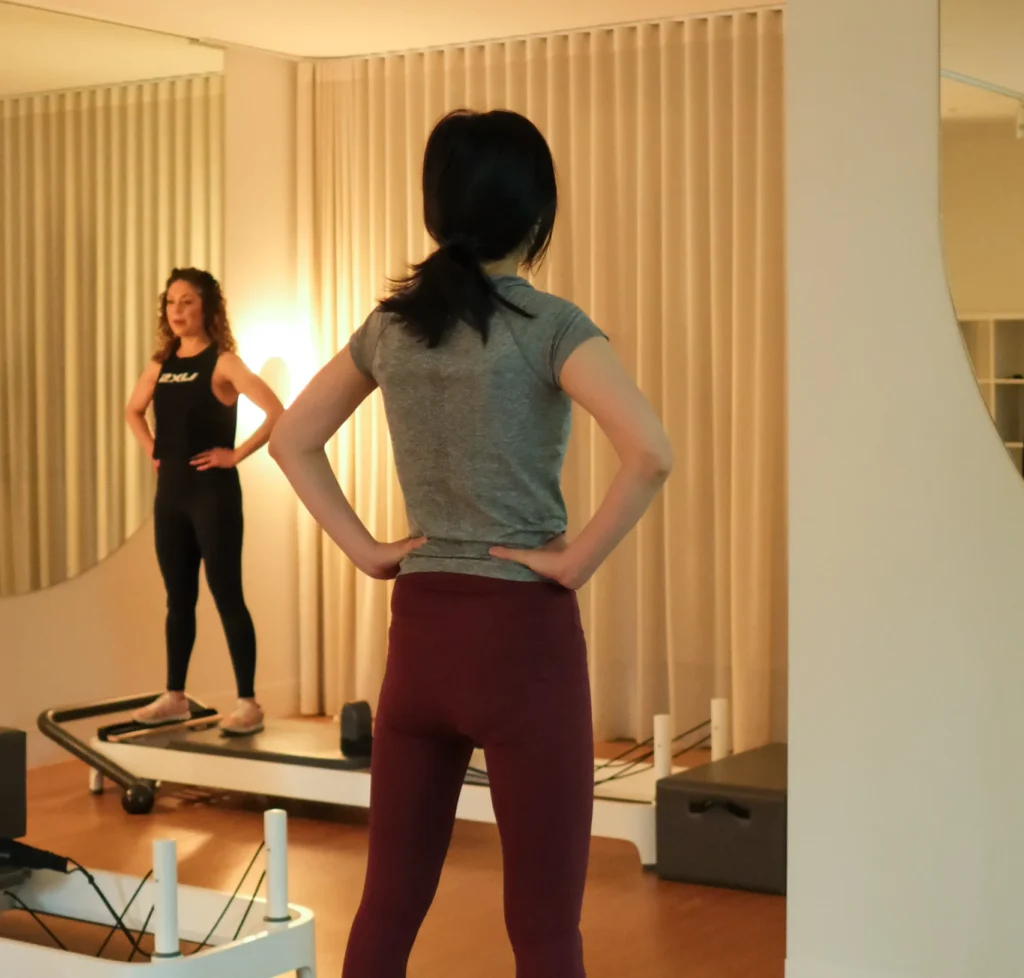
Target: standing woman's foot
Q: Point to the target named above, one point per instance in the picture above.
(245, 719)
(169, 708)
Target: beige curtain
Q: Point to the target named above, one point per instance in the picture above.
(102, 191)
(668, 138)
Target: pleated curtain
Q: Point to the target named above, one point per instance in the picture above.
(102, 191)
(668, 139)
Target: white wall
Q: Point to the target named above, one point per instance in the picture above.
(260, 280)
(907, 536)
(101, 635)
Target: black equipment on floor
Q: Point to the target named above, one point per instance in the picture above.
(357, 731)
(17, 857)
(13, 772)
(139, 794)
(724, 824)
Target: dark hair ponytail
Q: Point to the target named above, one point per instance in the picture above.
(449, 287)
(489, 192)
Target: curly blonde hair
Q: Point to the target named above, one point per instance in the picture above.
(215, 313)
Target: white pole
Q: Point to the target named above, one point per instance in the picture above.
(165, 913)
(721, 729)
(275, 833)
(662, 746)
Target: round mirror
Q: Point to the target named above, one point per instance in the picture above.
(982, 153)
(110, 175)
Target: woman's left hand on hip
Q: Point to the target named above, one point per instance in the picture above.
(215, 458)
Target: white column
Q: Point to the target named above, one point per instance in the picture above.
(662, 746)
(721, 729)
(165, 913)
(275, 832)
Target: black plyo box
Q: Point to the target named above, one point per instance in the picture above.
(724, 824)
(13, 764)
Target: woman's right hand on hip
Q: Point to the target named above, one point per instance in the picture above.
(382, 561)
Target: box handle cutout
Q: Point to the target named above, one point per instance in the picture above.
(737, 811)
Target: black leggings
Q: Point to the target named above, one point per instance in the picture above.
(198, 516)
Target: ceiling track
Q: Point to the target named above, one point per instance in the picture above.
(980, 83)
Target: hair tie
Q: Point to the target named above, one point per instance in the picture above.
(460, 250)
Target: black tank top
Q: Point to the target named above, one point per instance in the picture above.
(189, 417)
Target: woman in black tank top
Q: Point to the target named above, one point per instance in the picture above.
(193, 382)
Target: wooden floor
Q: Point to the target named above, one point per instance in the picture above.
(634, 925)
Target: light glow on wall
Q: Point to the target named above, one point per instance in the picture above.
(280, 350)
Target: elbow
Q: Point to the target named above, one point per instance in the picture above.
(654, 462)
(274, 417)
(289, 442)
(279, 445)
(274, 445)
(274, 412)
(659, 465)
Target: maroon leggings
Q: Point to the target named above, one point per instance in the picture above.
(501, 665)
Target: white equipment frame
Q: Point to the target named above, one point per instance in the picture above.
(277, 938)
(624, 808)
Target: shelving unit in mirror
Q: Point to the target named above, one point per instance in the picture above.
(996, 348)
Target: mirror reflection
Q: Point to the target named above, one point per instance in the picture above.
(110, 176)
(982, 154)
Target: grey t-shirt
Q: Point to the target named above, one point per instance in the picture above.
(479, 430)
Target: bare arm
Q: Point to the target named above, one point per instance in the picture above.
(138, 404)
(594, 377)
(252, 386)
(297, 445)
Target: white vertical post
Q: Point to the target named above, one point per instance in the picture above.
(275, 833)
(662, 746)
(721, 729)
(165, 914)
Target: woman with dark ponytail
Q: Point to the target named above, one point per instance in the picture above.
(479, 371)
